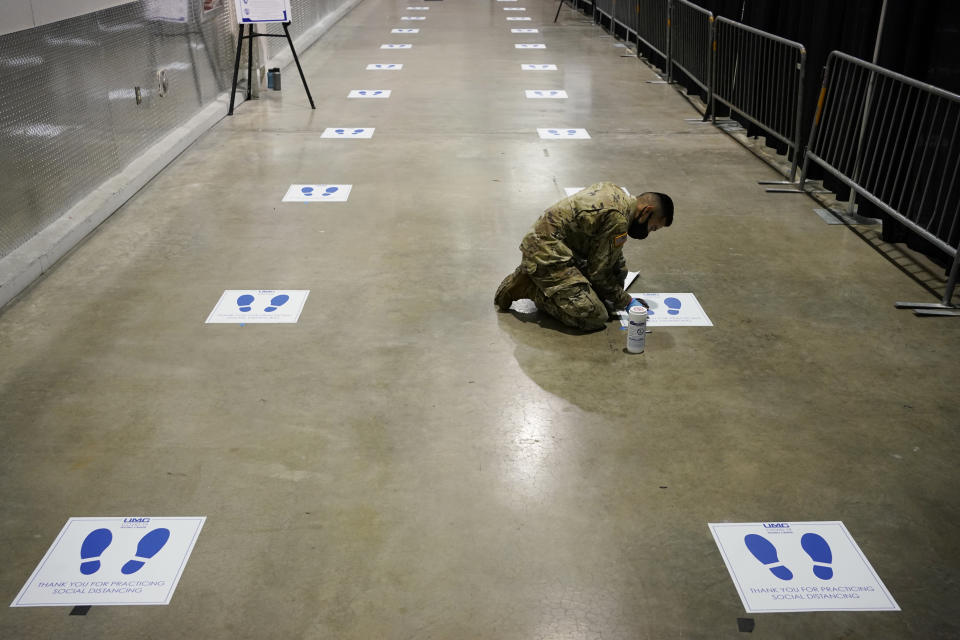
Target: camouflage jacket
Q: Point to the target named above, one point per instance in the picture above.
(580, 239)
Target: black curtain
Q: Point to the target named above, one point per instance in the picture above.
(921, 39)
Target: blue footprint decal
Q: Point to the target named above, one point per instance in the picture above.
(307, 191)
(148, 547)
(244, 302)
(673, 306)
(356, 131)
(329, 191)
(764, 551)
(277, 301)
(819, 551)
(92, 548)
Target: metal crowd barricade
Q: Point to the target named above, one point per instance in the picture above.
(603, 8)
(760, 76)
(893, 140)
(625, 15)
(691, 30)
(653, 28)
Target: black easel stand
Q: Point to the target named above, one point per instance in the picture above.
(560, 6)
(236, 66)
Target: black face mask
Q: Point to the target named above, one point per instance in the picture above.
(638, 230)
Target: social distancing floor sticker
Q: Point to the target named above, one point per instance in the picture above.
(258, 306)
(405, 31)
(358, 133)
(112, 561)
(530, 46)
(780, 567)
(318, 193)
(518, 18)
(673, 310)
(369, 93)
(396, 46)
(538, 67)
(534, 94)
(563, 134)
(384, 66)
(524, 31)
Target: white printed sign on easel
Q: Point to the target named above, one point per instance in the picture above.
(250, 11)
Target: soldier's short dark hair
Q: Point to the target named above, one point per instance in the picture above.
(664, 204)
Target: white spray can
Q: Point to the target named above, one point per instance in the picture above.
(636, 329)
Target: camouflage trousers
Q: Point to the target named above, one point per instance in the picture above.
(576, 305)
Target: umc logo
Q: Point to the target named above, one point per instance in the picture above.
(136, 523)
(776, 525)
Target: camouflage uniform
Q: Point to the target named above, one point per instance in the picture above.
(574, 255)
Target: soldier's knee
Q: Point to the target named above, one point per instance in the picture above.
(581, 307)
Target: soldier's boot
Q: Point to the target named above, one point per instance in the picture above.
(515, 286)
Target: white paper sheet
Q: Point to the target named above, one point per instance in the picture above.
(538, 67)
(384, 66)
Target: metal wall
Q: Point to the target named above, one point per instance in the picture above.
(69, 118)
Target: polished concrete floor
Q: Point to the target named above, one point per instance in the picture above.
(407, 463)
